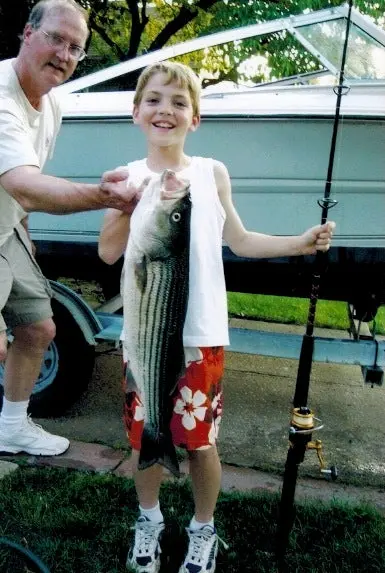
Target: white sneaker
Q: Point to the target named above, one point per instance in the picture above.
(145, 554)
(202, 551)
(32, 439)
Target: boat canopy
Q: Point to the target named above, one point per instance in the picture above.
(320, 32)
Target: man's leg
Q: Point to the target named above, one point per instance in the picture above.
(3, 345)
(25, 355)
(25, 303)
(22, 366)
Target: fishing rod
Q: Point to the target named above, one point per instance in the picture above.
(303, 421)
(30, 558)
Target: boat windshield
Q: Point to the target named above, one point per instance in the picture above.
(310, 43)
(365, 56)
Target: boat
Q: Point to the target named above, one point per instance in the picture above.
(274, 138)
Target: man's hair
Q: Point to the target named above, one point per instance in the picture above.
(43, 7)
(183, 75)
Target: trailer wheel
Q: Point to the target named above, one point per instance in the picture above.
(66, 369)
(366, 307)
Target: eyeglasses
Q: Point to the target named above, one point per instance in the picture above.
(56, 41)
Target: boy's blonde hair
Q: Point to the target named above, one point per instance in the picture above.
(184, 77)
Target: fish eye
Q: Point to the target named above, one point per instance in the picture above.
(176, 217)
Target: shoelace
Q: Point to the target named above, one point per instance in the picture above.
(197, 547)
(36, 427)
(146, 536)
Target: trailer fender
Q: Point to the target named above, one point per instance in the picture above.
(81, 312)
(68, 362)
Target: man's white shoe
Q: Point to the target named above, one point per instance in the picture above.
(32, 439)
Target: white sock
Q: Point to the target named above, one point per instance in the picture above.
(13, 413)
(195, 525)
(153, 514)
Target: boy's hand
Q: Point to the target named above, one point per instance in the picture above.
(318, 238)
(118, 192)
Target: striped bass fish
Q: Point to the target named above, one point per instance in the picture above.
(156, 279)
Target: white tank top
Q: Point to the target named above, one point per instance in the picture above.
(206, 321)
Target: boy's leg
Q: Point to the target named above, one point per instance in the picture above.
(147, 483)
(205, 470)
(144, 555)
(206, 473)
(199, 395)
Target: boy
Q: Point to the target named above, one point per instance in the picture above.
(166, 107)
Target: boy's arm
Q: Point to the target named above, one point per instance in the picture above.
(113, 236)
(257, 245)
(115, 229)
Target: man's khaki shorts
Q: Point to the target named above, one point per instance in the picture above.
(25, 294)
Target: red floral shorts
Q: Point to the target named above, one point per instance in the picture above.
(197, 403)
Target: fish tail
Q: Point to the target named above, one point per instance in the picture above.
(158, 448)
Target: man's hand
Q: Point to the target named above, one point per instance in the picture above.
(118, 192)
(317, 238)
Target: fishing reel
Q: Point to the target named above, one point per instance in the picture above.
(302, 425)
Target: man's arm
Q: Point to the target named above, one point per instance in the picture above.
(35, 191)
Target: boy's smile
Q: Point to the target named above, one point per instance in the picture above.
(165, 112)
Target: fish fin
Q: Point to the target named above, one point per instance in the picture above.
(141, 274)
(158, 448)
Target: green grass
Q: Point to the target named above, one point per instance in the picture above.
(290, 310)
(79, 522)
(287, 310)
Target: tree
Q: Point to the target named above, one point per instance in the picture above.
(123, 29)
(284, 55)
(13, 16)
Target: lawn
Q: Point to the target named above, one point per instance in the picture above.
(80, 522)
(287, 310)
(291, 310)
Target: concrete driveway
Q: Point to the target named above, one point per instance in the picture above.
(257, 401)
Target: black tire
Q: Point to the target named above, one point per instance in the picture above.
(366, 307)
(66, 369)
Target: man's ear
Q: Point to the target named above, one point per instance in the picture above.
(27, 31)
(195, 122)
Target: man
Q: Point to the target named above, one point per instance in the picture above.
(52, 44)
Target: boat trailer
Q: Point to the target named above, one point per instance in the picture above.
(361, 347)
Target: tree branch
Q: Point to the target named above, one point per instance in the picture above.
(101, 30)
(138, 24)
(184, 16)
